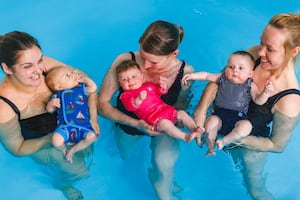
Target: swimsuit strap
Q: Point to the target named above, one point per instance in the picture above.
(132, 56)
(12, 105)
(173, 92)
(281, 94)
(257, 62)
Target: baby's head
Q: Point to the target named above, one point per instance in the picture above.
(62, 77)
(239, 67)
(129, 75)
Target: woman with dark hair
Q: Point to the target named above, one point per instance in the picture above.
(157, 57)
(25, 125)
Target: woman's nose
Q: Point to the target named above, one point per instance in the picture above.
(262, 51)
(147, 65)
(38, 68)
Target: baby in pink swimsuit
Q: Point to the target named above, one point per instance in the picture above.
(144, 100)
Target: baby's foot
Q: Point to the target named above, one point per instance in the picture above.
(220, 144)
(199, 130)
(210, 152)
(69, 156)
(72, 193)
(191, 136)
(199, 141)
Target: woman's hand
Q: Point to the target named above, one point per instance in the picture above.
(145, 127)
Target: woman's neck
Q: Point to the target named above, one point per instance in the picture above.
(19, 88)
(282, 79)
(169, 72)
(172, 69)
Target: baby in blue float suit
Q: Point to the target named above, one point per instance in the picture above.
(70, 101)
(235, 91)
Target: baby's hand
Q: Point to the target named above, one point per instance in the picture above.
(54, 102)
(79, 76)
(268, 87)
(139, 100)
(95, 126)
(143, 95)
(186, 78)
(163, 84)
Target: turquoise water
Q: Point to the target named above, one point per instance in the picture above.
(90, 35)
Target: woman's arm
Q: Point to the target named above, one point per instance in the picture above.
(50, 63)
(206, 99)
(285, 118)
(282, 129)
(14, 143)
(92, 103)
(254, 51)
(108, 88)
(183, 100)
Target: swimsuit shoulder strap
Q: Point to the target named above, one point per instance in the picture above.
(278, 96)
(12, 105)
(132, 56)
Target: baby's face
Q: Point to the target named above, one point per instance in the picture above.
(68, 78)
(131, 79)
(238, 69)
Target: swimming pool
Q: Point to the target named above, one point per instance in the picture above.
(90, 35)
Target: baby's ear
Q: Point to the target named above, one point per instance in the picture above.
(251, 74)
(57, 87)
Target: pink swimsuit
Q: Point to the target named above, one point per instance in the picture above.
(152, 108)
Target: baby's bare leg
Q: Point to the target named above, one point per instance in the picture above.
(212, 125)
(187, 120)
(89, 139)
(169, 128)
(241, 129)
(59, 142)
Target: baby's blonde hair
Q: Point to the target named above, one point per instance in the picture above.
(51, 77)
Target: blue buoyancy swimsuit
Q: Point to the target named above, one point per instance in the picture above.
(36, 126)
(231, 102)
(73, 116)
(170, 98)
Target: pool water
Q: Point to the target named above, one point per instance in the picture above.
(90, 35)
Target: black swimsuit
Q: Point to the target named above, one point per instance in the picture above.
(169, 98)
(36, 126)
(261, 115)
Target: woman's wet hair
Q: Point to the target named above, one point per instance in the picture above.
(161, 38)
(14, 42)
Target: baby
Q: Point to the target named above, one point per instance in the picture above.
(144, 100)
(235, 90)
(71, 103)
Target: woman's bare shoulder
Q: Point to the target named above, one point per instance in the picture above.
(121, 57)
(6, 113)
(254, 51)
(188, 68)
(51, 62)
(289, 105)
